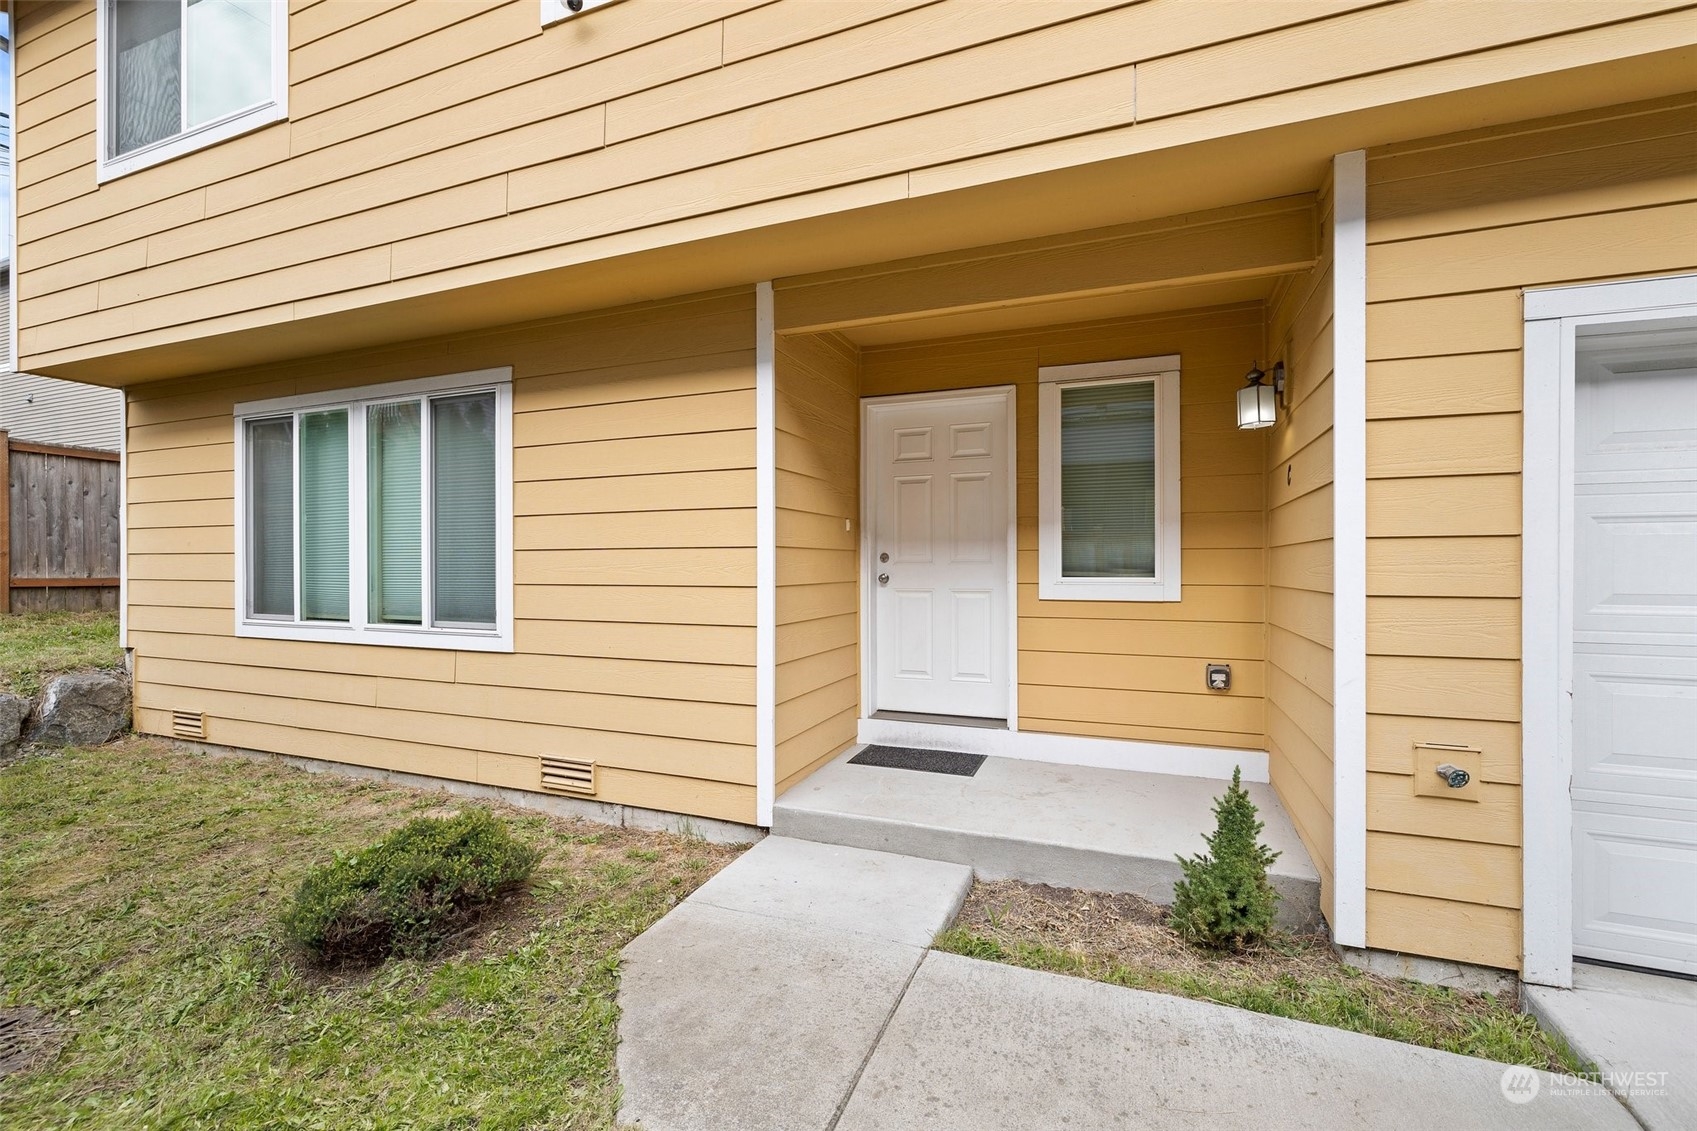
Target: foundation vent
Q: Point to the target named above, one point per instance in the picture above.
(572, 776)
(188, 724)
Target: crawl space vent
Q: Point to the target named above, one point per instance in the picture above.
(572, 776)
(188, 724)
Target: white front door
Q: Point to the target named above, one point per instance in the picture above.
(1635, 647)
(937, 525)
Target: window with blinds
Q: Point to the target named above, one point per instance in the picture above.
(179, 74)
(1108, 481)
(385, 517)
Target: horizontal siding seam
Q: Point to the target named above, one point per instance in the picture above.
(1577, 214)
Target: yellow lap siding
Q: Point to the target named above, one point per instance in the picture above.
(433, 138)
(1297, 484)
(635, 603)
(1488, 212)
(818, 523)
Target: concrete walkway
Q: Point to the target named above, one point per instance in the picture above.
(795, 992)
(1640, 1031)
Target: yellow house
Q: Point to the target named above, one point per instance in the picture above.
(652, 401)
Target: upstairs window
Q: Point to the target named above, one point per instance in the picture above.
(379, 515)
(1108, 481)
(176, 75)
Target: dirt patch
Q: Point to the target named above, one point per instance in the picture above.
(27, 1037)
(1124, 939)
(1125, 929)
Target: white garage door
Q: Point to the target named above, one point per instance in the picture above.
(1635, 648)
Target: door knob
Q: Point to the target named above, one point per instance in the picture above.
(883, 579)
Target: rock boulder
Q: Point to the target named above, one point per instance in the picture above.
(81, 709)
(14, 712)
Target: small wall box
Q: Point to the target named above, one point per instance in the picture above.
(1428, 756)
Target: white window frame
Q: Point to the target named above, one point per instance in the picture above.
(553, 11)
(276, 109)
(1163, 373)
(357, 630)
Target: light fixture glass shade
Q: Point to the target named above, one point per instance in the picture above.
(1257, 407)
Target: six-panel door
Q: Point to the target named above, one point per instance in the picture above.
(938, 569)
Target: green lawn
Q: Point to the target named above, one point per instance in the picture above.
(34, 646)
(142, 892)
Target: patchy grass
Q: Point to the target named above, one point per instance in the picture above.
(1124, 939)
(34, 646)
(143, 893)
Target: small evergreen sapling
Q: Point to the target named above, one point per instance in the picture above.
(1224, 900)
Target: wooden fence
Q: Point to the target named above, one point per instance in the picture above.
(58, 527)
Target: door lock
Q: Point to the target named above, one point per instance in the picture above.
(883, 579)
(883, 557)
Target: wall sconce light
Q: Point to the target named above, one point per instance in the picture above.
(1258, 401)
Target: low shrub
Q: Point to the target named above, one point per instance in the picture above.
(1224, 900)
(404, 895)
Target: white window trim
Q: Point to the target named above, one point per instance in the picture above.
(211, 133)
(498, 639)
(1163, 373)
(553, 11)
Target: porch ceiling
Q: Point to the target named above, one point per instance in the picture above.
(1003, 319)
(1207, 258)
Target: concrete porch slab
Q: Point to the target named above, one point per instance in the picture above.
(832, 887)
(1626, 1023)
(1071, 826)
(978, 1046)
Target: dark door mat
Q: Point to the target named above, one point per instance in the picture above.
(912, 758)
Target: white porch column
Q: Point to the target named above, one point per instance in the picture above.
(765, 555)
(1349, 548)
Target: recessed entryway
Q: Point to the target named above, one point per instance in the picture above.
(937, 554)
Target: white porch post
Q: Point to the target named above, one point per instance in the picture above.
(1349, 545)
(765, 555)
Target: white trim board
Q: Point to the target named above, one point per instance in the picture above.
(123, 517)
(11, 207)
(765, 555)
(1068, 749)
(1349, 548)
(868, 618)
(1553, 318)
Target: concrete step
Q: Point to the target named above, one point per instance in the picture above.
(1070, 826)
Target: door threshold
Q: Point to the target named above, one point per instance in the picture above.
(1649, 971)
(940, 720)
